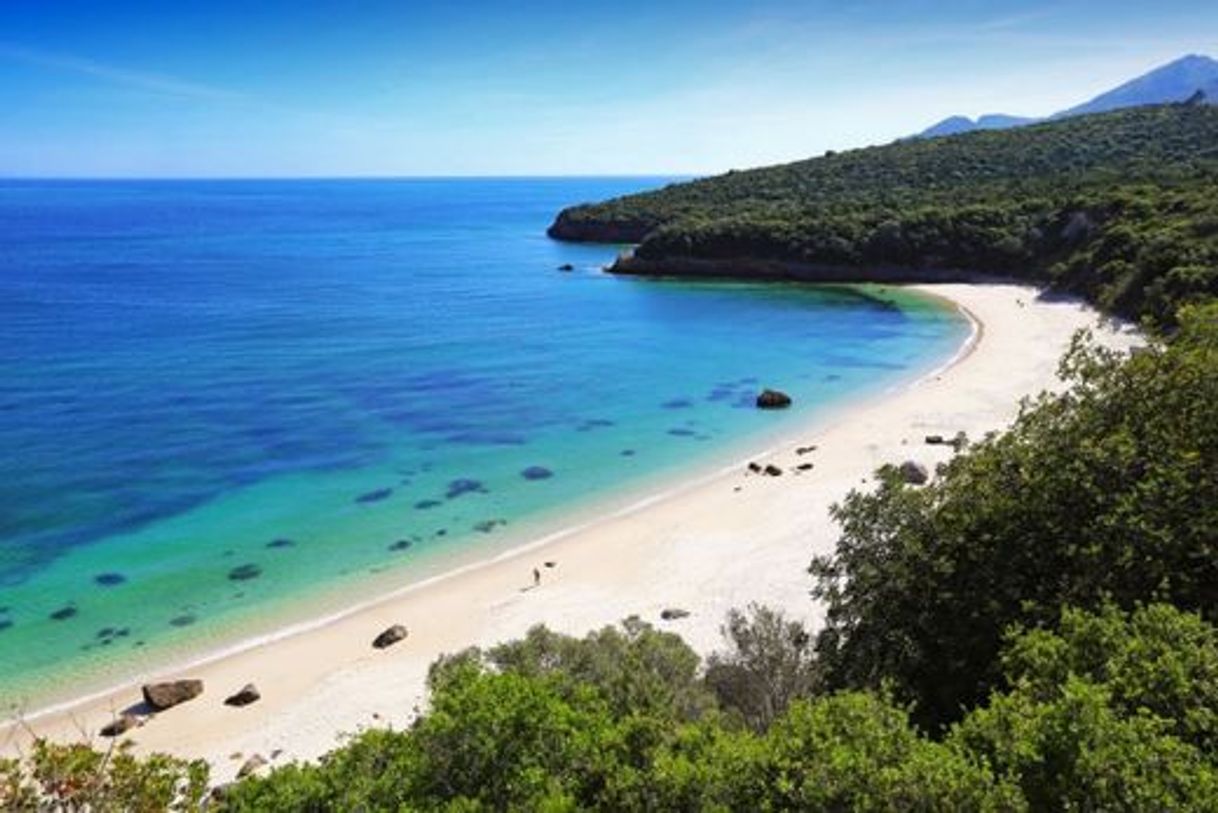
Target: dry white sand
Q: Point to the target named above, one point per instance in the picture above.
(722, 542)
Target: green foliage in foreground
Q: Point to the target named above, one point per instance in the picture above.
(1108, 492)
(77, 777)
(1120, 207)
(1088, 723)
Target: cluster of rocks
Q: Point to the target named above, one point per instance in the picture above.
(769, 469)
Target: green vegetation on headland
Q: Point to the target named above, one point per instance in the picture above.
(1121, 208)
(1032, 630)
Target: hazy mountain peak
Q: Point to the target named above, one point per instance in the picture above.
(1174, 82)
(1177, 81)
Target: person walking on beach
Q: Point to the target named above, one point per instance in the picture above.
(536, 577)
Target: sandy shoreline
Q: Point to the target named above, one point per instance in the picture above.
(719, 542)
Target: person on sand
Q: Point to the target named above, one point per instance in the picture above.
(536, 577)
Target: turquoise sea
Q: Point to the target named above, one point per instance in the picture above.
(229, 405)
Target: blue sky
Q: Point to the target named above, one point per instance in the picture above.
(316, 88)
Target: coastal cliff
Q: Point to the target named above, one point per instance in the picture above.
(752, 268)
(1117, 208)
(569, 227)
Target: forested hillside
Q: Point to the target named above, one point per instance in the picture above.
(1120, 207)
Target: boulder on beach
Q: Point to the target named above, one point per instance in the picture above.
(248, 694)
(251, 765)
(119, 725)
(390, 637)
(167, 694)
(914, 473)
(934, 440)
(673, 613)
(773, 399)
(772, 470)
(755, 468)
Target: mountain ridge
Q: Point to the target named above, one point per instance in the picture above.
(1175, 81)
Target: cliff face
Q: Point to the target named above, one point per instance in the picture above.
(744, 268)
(576, 225)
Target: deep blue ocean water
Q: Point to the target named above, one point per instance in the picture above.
(219, 398)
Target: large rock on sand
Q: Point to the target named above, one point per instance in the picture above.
(249, 694)
(161, 696)
(119, 725)
(773, 399)
(390, 636)
(914, 473)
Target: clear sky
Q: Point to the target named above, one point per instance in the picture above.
(398, 87)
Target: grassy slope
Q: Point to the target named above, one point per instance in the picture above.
(1120, 207)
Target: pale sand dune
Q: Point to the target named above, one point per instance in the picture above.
(705, 548)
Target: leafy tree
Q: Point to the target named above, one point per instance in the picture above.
(1111, 712)
(1108, 492)
(770, 663)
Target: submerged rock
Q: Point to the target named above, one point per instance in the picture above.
(536, 473)
(248, 694)
(280, 543)
(401, 544)
(390, 636)
(244, 572)
(109, 579)
(165, 695)
(773, 399)
(566, 267)
(488, 525)
(182, 620)
(375, 496)
(463, 485)
(423, 505)
(64, 613)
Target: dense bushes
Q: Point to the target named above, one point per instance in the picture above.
(1119, 207)
(77, 777)
(1088, 722)
(1106, 493)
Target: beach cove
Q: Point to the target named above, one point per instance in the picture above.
(704, 543)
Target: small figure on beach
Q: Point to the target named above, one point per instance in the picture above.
(536, 577)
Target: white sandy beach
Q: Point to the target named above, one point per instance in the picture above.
(722, 542)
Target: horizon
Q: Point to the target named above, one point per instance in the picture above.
(221, 92)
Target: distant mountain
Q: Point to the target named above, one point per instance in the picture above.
(1176, 81)
(963, 124)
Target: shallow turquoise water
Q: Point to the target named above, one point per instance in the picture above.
(224, 404)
